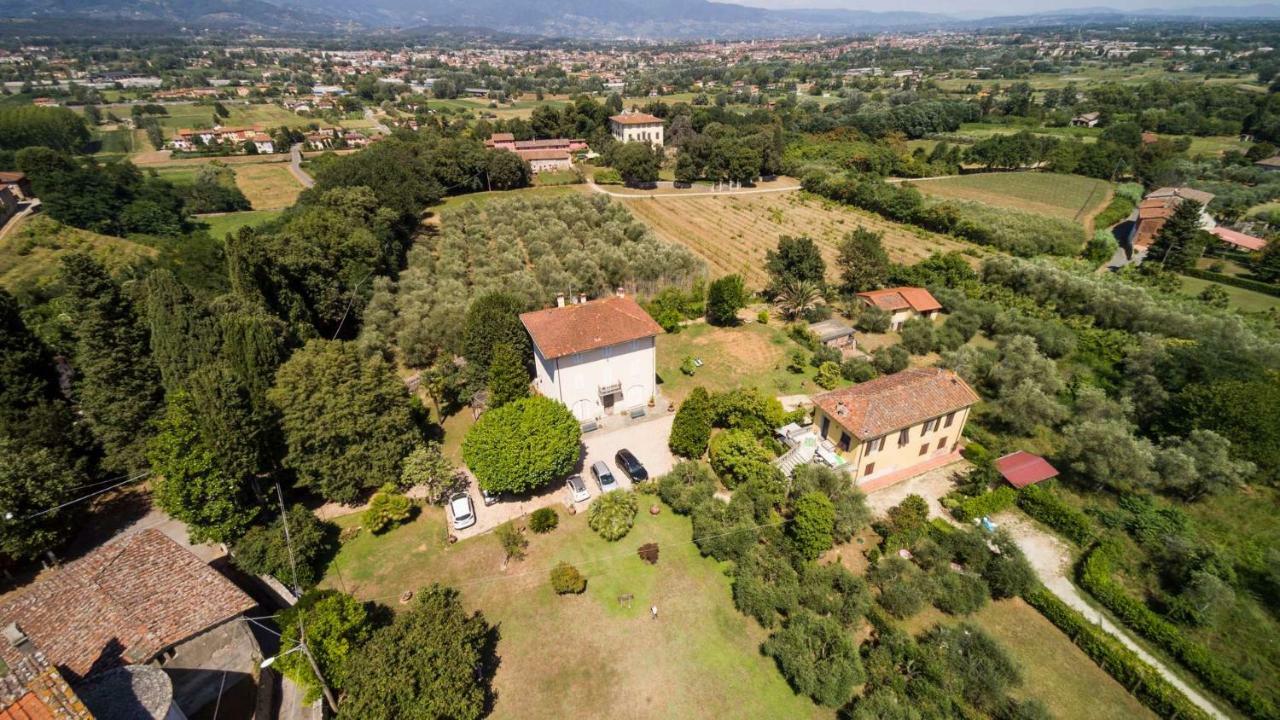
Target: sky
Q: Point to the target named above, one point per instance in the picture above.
(999, 7)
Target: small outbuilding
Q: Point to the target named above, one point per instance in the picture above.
(833, 333)
(1022, 469)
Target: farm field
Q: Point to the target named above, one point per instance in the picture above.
(1054, 670)
(588, 655)
(269, 186)
(191, 115)
(1241, 299)
(1069, 197)
(750, 355)
(221, 224)
(733, 232)
(480, 198)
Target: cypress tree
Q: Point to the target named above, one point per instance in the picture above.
(1181, 241)
(508, 376)
(119, 386)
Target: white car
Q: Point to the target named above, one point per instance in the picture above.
(577, 489)
(464, 513)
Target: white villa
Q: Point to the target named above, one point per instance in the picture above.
(636, 127)
(597, 357)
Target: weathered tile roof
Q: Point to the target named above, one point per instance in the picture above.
(125, 602)
(562, 331)
(33, 689)
(893, 402)
(637, 118)
(1021, 469)
(901, 298)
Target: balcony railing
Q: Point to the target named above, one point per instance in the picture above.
(611, 389)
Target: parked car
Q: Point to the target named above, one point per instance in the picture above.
(604, 478)
(488, 497)
(464, 513)
(630, 466)
(577, 489)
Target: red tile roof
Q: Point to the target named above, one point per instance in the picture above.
(1239, 239)
(502, 137)
(33, 689)
(125, 602)
(636, 119)
(561, 331)
(901, 298)
(893, 402)
(543, 153)
(1022, 469)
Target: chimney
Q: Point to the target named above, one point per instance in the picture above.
(559, 299)
(582, 298)
(841, 410)
(17, 639)
(621, 292)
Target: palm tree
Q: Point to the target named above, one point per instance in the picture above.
(796, 296)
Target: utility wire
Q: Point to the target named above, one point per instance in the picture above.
(82, 498)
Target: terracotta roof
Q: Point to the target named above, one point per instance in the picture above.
(12, 177)
(1183, 193)
(542, 144)
(1022, 469)
(876, 407)
(33, 689)
(123, 603)
(502, 137)
(892, 299)
(561, 331)
(1239, 239)
(636, 119)
(543, 154)
(1273, 161)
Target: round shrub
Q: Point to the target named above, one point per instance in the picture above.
(565, 579)
(387, 508)
(812, 523)
(959, 594)
(613, 514)
(523, 445)
(544, 520)
(692, 425)
(738, 457)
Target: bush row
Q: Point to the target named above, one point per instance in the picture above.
(983, 505)
(1095, 574)
(1115, 211)
(1239, 282)
(1019, 233)
(1040, 503)
(1139, 678)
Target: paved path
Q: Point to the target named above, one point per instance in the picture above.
(671, 191)
(295, 166)
(1049, 556)
(380, 127)
(13, 222)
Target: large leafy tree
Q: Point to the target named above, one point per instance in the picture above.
(795, 258)
(817, 657)
(119, 387)
(523, 445)
(434, 661)
(863, 263)
(725, 297)
(428, 468)
(33, 480)
(637, 163)
(348, 422)
(336, 625)
(191, 482)
(264, 550)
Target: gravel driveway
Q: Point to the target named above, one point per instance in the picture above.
(646, 439)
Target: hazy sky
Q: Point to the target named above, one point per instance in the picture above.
(1001, 7)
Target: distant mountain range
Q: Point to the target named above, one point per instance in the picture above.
(593, 19)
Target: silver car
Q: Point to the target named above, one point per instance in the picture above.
(463, 511)
(577, 489)
(604, 478)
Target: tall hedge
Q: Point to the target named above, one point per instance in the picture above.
(1095, 573)
(691, 428)
(1040, 503)
(523, 445)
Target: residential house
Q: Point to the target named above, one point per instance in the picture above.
(542, 155)
(1271, 164)
(902, 304)
(31, 687)
(1156, 209)
(896, 426)
(597, 357)
(636, 127)
(8, 204)
(1086, 120)
(18, 183)
(137, 600)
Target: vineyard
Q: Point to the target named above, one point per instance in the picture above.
(1068, 197)
(734, 232)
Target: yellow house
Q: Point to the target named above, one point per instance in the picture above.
(896, 426)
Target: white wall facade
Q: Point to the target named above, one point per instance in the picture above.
(628, 369)
(650, 133)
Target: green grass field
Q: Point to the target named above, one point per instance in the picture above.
(481, 198)
(589, 656)
(1069, 197)
(201, 116)
(221, 224)
(750, 355)
(1241, 299)
(30, 252)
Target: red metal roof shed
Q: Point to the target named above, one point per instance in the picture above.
(1022, 469)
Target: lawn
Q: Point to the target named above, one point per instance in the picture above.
(1068, 197)
(1241, 299)
(590, 656)
(1054, 670)
(480, 198)
(269, 186)
(1216, 145)
(221, 224)
(732, 233)
(30, 252)
(750, 355)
